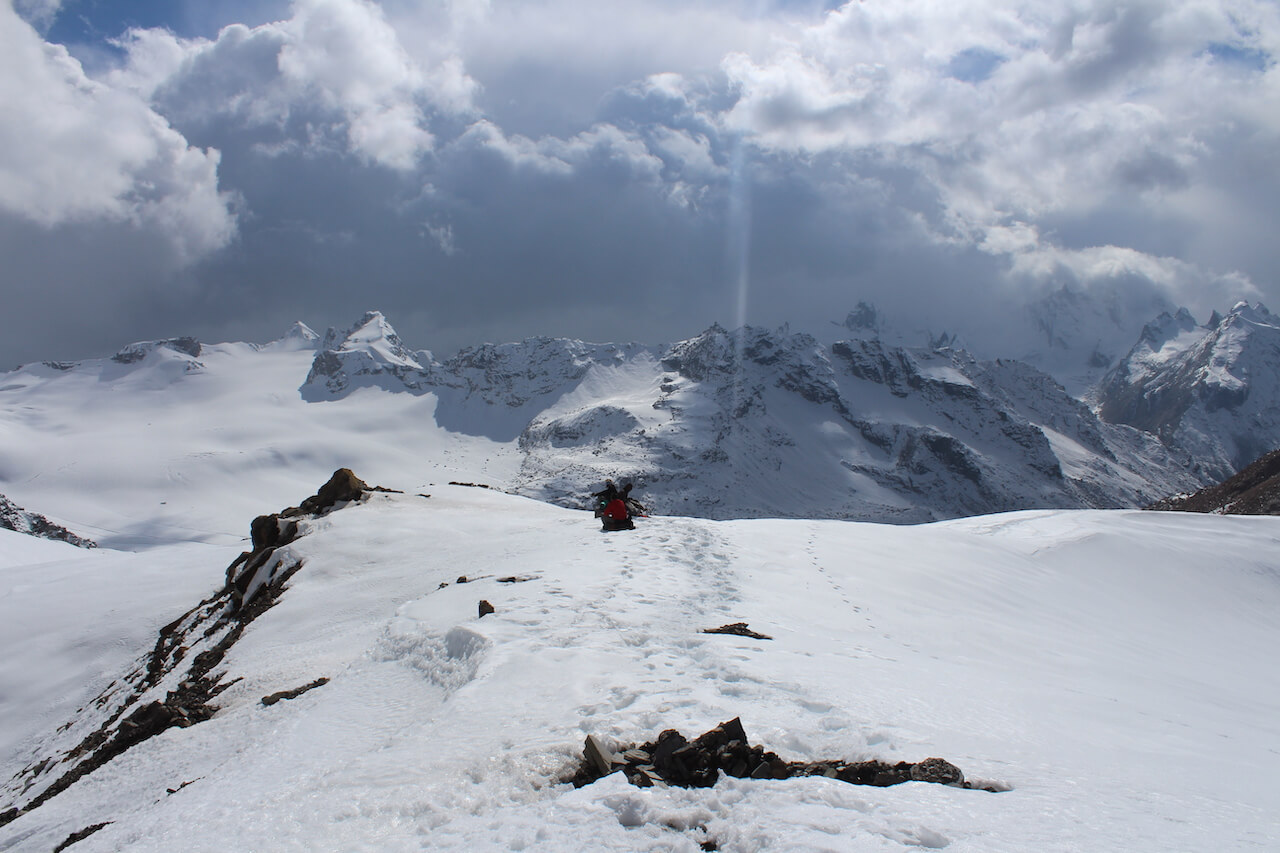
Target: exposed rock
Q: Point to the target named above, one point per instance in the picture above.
(19, 520)
(175, 684)
(80, 835)
(937, 770)
(737, 628)
(272, 699)
(485, 609)
(1253, 491)
(673, 760)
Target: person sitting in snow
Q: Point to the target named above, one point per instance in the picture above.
(616, 516)
(634, 507)
(604, 496)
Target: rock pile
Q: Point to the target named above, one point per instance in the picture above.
(674, 760)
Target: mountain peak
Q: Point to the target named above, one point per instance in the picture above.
(373, 335)
(358, 356)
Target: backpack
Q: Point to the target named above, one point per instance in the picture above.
(616, 510)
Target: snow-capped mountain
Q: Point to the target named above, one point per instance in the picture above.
(1078, 335)
(760, 422)
(1212, 391)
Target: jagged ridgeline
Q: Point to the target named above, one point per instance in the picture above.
(759, 422)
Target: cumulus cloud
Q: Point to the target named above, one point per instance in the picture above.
(334, 66)
(39, 13)
(1021, 116)
(640, 170)
(73, 150)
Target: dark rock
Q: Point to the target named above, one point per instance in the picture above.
(739, 629)
(19, 520)
(937, 770)
(600, 756)
(294, 693)
(1255, 490)
(673, 760)
(485, 608)
(80, 836)
(461, 579)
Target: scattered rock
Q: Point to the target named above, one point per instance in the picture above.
(739, 629)
(294, 693)
(517, 578)
(485, 609)
(472, 485)
(674, 760)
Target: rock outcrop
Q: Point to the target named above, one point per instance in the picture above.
(15, 518)
(1253, 491)
(176, 683)
(672, 759)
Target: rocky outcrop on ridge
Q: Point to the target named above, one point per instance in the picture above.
(176, 683)
(15, 518)
(1253, 491)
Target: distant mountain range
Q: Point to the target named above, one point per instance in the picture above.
(749, 422)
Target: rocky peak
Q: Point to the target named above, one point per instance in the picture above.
(136, 352)
(367, 354)
(371, 335)
(1206, 390)
(1167, 327)
(865, 317)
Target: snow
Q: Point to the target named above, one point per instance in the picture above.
(1110, 667)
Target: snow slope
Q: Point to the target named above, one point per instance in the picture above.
(1113, 668)
(161, 444)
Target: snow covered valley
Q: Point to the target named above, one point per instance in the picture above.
(1114, 669)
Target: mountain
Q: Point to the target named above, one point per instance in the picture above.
(758, 422)
(1077, 335)
(1255, 490)
(1211, 392)
(1083, 663)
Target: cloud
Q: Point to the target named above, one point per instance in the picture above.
(618, 170)
(333, 73)
(38, 13)
(73, 150)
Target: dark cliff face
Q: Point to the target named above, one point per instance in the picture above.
(1255, 490)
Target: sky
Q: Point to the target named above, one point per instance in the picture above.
(482, 170)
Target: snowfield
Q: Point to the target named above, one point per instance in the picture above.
(1114, 669)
